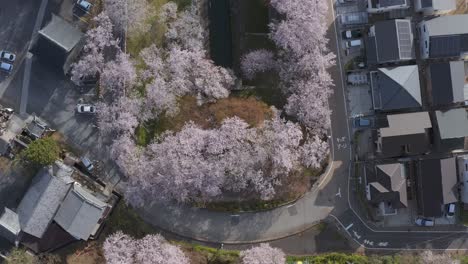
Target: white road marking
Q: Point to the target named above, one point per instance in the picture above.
(348, 227)
(339, 192)
(356, 235)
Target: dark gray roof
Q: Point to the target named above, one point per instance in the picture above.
(447, 82)
(441, 81)
(41, 201)
(371, 50)
(426, 3)
(429, 188)
(393, 41)
(386, 41)
(396, 88)
(397, 146)
(388, 184)
(80, 213)
(437, 180)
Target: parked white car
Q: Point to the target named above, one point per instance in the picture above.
(6, 67)
(84, 5)
(85, 109)
(7, 56)
(450, 210)
(424, 222)
(353, 43)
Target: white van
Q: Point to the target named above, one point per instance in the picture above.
(450, 210)
(353, 43)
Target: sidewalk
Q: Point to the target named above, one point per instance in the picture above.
(223, 227)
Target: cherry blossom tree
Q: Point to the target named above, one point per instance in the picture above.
(257, 61)
(314, 152)
(184, 29)
(198, 164)
(304, 60)
(118, 74)
(154, 249)
(118, 117)
(97, 40)
(428, 257)
(176, 72)
(120, 248)
(263, 254)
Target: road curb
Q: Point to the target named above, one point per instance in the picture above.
(288, 203)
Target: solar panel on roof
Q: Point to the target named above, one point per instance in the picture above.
(464, 42)
(444, 46)
(405, 39)
(385, 3)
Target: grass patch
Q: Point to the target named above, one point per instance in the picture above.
(209, 115)
(266, 88)
(243, 206)
(199, 254)
(137, 41)
(463, 214)
(335, 258)
(124, 218)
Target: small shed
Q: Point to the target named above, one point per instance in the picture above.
(60, 41)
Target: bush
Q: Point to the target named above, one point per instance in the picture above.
(336, 258)
(20, 256)
(41, 152)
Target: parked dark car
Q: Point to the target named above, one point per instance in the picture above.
(351, 34)
(363, 122)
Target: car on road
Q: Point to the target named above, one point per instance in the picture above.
(85, 109)
(450, 210)
(7, 56)
(363, 122)
(346, 1)
(353, 43)
(6, 67)
(351, 34)
(424, 222)
(84, 5)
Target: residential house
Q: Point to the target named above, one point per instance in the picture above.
(386, 187)
(405, 134)
(444, 37)
(390, 41)
(57, 210)
(462, 168)
(430, 7)
(448, 82)
(380, 6)
(452, 129)
(59, 42)
(396, 88)
(436, 185)
(452, 123)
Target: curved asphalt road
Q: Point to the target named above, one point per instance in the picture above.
(330, 200)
